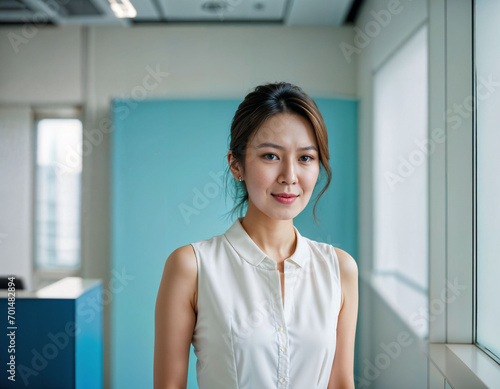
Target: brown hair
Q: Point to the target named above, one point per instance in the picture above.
(258, 106)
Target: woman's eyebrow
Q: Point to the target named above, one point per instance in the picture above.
(276, 146)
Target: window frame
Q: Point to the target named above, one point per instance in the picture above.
(452, 196)
(41, 276)
(495, 357)
(451, 174)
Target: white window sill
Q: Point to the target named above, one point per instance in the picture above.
(465, 366)
(66, 288)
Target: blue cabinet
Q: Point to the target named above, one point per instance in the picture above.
(57, 336)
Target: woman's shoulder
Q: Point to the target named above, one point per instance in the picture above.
(347, 264)
(186, 257)
(183, 259)
(181, 272)
(348, 269)
(181, 264)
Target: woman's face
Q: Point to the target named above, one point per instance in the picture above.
(282, 157)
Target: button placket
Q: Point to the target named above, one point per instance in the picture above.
(281, 315)
(284, 354)
(281, 329)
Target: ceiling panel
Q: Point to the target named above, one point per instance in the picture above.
(147, 10)
(223, 10)
(318, 12)
(98, 12)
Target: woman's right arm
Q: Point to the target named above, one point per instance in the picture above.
(175, 319)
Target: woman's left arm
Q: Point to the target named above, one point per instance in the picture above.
(342, 375)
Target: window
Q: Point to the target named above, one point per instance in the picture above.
(487, 67)
(401, 181)
(58, 193)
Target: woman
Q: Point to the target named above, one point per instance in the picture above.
(263, 306)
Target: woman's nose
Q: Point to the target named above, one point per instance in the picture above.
(288, 174)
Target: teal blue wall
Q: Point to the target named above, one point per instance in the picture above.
(167, 191)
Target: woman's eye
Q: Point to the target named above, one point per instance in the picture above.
(304, 156)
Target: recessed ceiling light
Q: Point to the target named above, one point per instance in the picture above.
(123, 8)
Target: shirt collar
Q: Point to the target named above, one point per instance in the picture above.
(248, 249)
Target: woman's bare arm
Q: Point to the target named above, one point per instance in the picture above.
(175, 318)
(342, 371)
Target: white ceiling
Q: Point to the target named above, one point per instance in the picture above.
(98, 12)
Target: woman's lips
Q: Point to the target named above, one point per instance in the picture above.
(285, 200)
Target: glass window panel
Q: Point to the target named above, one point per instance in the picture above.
(401, 149)
(58, 193)
(487, 62)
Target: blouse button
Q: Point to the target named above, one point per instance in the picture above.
(281, 329)
(282, 379)
(283, 349)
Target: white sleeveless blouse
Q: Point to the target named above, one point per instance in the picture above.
(243, 337)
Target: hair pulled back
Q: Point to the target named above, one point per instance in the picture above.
(259, 105)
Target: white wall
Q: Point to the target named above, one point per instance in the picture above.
(40, 66)
(16, 178)
(210, 62)
(90, 66)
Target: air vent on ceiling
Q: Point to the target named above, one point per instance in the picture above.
(13, 6)
(75, 8)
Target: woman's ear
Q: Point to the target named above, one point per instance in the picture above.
(233, 165)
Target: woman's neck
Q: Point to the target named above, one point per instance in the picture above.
(276, 238)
